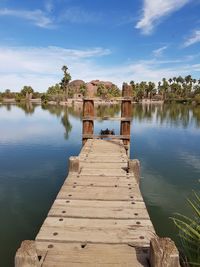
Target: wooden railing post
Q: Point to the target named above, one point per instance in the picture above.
(163, 252)
(126, 107)
(134, 167)
(88, 124)
(74, 164)
(26, 255)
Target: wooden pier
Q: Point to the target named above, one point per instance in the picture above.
(99, 217)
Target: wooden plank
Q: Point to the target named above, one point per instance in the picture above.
(80, 209)
(130, 224)
(121, 137)
(103, 172)
(103, 165)
(93, 255)
(99, 193)
(95, 231)
(102, 159)
(94, 180)
(98, 204)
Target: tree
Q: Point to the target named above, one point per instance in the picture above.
(170, 80)
(8, 94)
(101, 91)
(54, 89)
(113, 91)
(26, 89)
(65, 80)
(83, 89)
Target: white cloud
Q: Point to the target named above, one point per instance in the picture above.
(154, 10)
(38, 17)
(158, 52)
(41, 67)
(195, 38)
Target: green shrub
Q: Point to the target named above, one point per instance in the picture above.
(189, 232)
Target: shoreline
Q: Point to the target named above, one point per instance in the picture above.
(73, 101)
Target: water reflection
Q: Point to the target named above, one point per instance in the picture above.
(66, 123)
(172, 114)
(27, 107)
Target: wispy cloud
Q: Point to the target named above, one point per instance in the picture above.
(37, 17)
(79, 15)
(154, 10)
(193, 39)
(158, 52)
(41, 67)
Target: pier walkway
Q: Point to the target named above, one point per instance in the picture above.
(99, 217)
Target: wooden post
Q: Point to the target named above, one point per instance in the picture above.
(126, 108)
(26, 255)
(74, 164)
(134, 167)
(88, 112)
(163, 252)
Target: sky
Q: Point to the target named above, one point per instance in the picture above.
(110, 40)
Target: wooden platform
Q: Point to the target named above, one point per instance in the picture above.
(99, 217)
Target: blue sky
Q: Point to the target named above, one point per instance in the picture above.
(97, 39)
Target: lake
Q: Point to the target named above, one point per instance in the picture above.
(36, 142)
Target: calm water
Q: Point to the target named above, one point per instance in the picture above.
(35, 143)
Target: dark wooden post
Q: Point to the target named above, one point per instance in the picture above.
(88, 118)
(126, 108)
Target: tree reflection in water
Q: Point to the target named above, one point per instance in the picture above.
(173, 114)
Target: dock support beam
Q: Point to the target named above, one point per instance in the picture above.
(163, 252)
(134, 167)
(74, 164)
(88, 124)
(26, 255)
(126, 107)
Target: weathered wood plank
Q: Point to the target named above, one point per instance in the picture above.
(100, 193)
(95, 231)
(92, 255)
(100, 209)
(94, 180)
(103, 172)
(98, 204)
(103, 165)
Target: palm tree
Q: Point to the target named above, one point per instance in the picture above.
(170, 80)
(65, 80)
